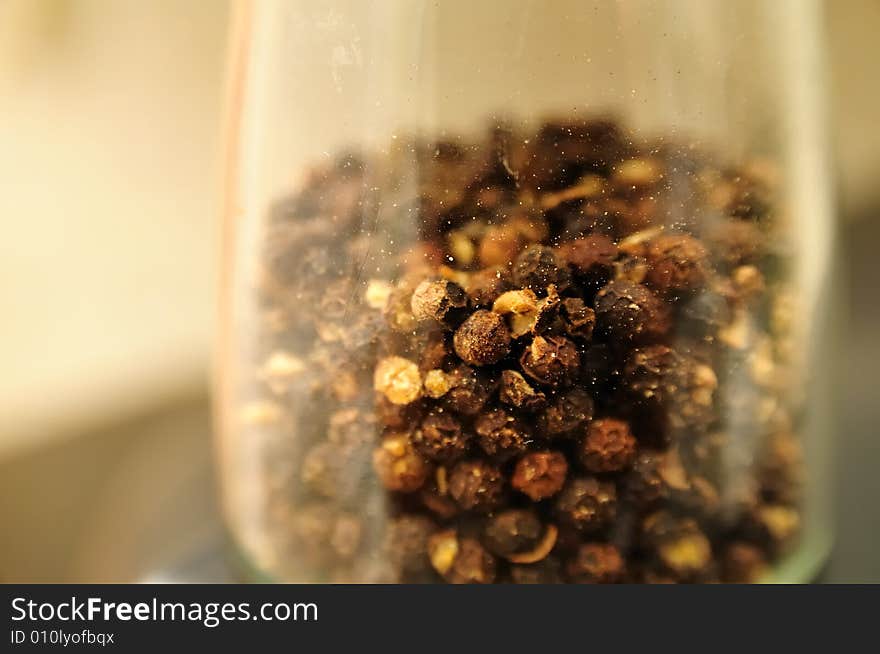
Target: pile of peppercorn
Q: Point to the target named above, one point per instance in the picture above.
(561, 354)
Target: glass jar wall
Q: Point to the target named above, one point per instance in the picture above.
(525, 292)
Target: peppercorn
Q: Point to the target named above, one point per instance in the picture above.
(476, 486)
(671, 385)
(500, 435)
(569, 413)
(406, 546)
(461, 560)
(516, 392)
(440, 301)
(398, 379)
(630, 313)
(513, 531)
(676, 263)
(596, 563)
(545, 571)
(608, 446)
(482, 339)
(774, 526)
(537, 267)
(540, 474)
(552, 361)
(398, 466)
(469, 392)
(646, 483)
(577, 318)
(743, 563)
(735, 243)
(586, 504)
(484, 286)
(500, 245)
(591, 259)
(440, 438)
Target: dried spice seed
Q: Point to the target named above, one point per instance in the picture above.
(500, 435)
(743, 563)
(482, 339)
(441, 301)
(630, 313)
(537, 267)
(586, 504)
(516, 392)
(469, 393)
(552, 360)
(578, 318)
(608, 446)
(569, 413)
(676, 263)
(680, 544)
(540, 475)
(476, 486)
(596, 563)
(512, 532)
(591, 259)
(398, 379)
(485, 286)
(398, 466)
(461, 560)
(440, 438)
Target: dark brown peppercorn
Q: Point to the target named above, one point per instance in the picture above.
(679, 543)
(440, 438)
(516, 392)
(512, 532)
(676, 263)
(591, 259)
(469, 392)
(569, 413)
(540, 474)
(398, 466)
(476, 486)
(645, 483)
(578, 319)
(485, 285)
(630, 313)
(586, 504)
(440, 301)
(482, 339)
(500, 435)
(537, 267)
(552, 360)
(461, 560)
(596, 563)
(608, 446)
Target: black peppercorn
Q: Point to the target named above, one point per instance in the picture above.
(676, 263)
(440, 438)
(398, 466)
(537, 267)
(591, 259)
(440, 301)
(608, 446)
(516, 392)
(461, 560)
(569, 413)
(586, 504)
(630, 313)
(512, 532)
(552, 360)
(540, 474)
(482, 339)
(577, 318)
(470, 390)
(500, 435)
(596, 563)
(476, 486)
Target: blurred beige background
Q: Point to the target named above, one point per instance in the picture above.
(109, 180)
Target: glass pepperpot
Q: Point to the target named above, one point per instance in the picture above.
(526, 292)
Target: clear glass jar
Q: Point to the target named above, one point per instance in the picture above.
(523, 291)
